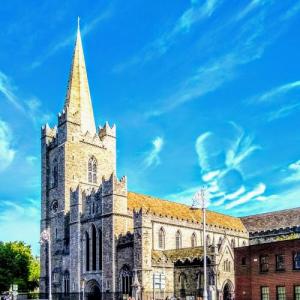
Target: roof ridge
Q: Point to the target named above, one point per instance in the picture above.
(174, 202)
(271, 212)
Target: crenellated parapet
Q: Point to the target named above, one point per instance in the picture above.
(106, 131)
(49, 134)
(92, 139)
(113, 185)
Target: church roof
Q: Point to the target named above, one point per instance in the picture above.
(272, 220)
(78, 99)
(181, 211)
(178, 254)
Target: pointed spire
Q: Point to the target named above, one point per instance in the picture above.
(78, 99)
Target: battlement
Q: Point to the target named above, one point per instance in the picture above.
(92, 139)
(49, 134)
(106, 130)
(113, 185)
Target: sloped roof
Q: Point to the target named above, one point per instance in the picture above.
(273, 220)
(178, 254)
(182, 211)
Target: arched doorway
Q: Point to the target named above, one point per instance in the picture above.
(92, 291)
(228, 291)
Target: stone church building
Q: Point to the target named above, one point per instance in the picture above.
(106, 239)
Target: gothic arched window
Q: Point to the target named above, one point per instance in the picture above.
(126, 280)
(87, 252)
(94, 248)
(232, 243)
(66, 282)
(161, 238)
(178, 240)
(54, 177)
(193, 240)
(92, 170)
(200, 280)
(208, 240)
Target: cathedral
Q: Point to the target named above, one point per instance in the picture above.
(106, 240)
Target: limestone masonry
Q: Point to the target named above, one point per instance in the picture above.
(106, 239)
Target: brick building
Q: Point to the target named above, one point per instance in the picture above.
(269, 268)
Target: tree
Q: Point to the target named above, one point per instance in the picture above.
(18, 266)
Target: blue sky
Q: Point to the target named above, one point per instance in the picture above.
(202, 92)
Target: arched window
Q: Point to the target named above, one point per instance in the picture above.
(208, 240)
(126, 280)
(200, 280)
(232, 243)
(220, 240)
(244, 243)
(66, 282)
(92, 170)
(178, 240)
(182, 281)
(87, 252)
(100, 249)
(54, 179)
(94, 248)
(193, 240)
(161, 238)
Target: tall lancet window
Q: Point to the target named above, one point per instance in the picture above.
(161, 238)
(94, 248)
(54, 177)
(178, 240)
(193, 240)
(92, 170)
(87, 251)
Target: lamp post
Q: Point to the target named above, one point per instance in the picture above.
(201, 199)
(45, 238)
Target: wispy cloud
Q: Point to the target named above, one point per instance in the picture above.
(87, 28)
(247, 44)
(249, 8)
(7, 152)
(20, 221)
(276, 92)
(190, 17)
(152, 157)
(292, 174)
(29, 107)
(221, 160)
(257, 191)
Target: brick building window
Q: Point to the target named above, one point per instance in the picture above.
(265, 294)
(297, 260)
(161, 238)
(280, 293)
(92, 170)
(264, 263)
(279, 262)
(297, 292)
(244, 261)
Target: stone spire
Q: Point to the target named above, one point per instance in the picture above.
(78, 100)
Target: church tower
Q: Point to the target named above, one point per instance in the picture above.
(75, 158)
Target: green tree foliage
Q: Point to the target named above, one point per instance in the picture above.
(18, 266)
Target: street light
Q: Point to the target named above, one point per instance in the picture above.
(45, 238)
(201, 199)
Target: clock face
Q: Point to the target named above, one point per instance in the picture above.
(54, 206)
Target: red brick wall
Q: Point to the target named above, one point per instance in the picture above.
(249, 279)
